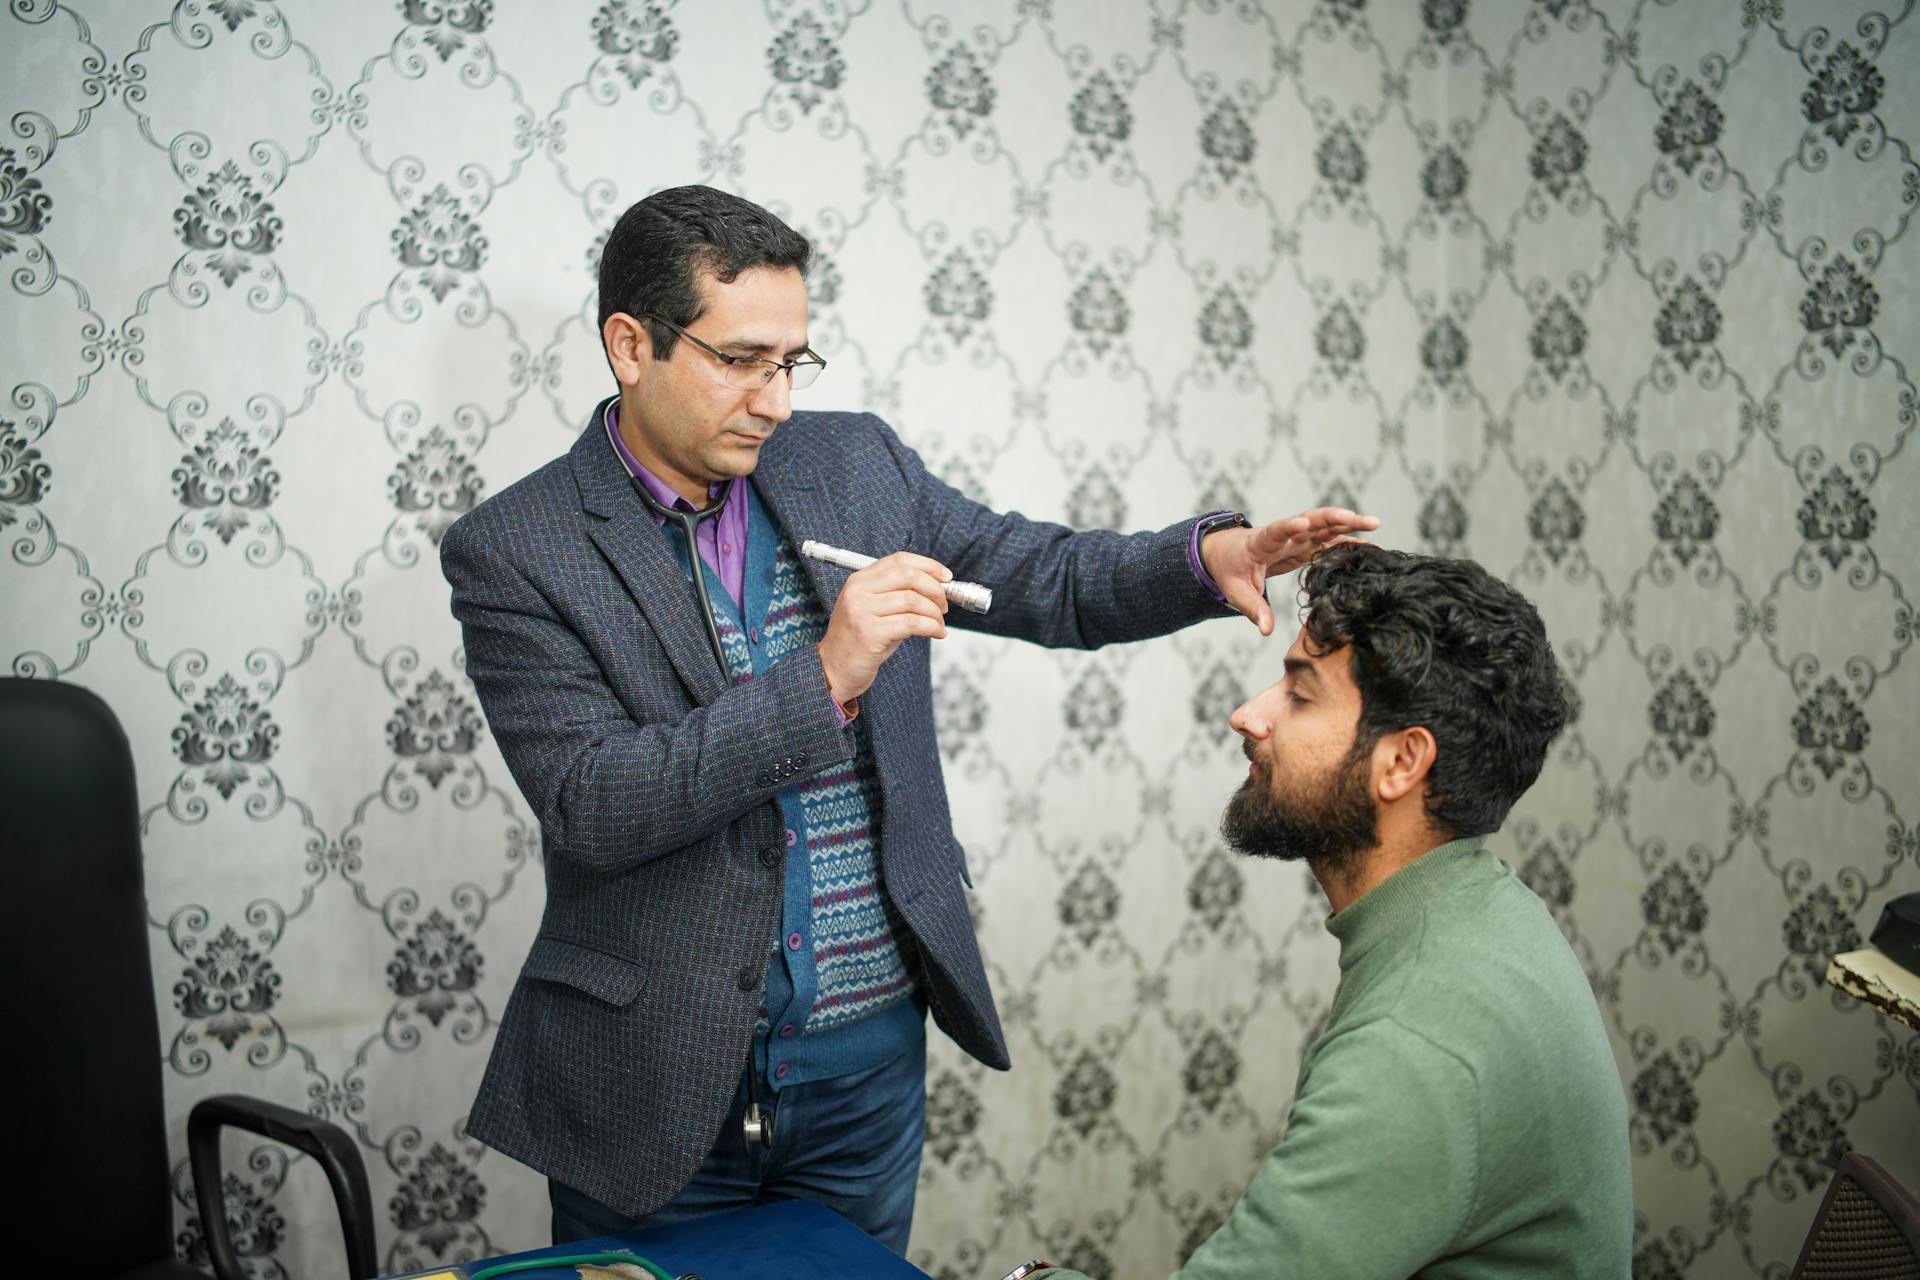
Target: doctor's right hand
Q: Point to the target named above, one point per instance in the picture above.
(881, 605)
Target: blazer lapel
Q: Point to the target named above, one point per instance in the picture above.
(636, 547)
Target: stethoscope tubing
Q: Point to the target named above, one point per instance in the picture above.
(689, 523)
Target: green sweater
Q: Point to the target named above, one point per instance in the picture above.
(1461, 1115)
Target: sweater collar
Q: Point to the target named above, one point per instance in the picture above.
(1391, 908)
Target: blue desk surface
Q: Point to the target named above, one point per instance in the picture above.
(791, 1240)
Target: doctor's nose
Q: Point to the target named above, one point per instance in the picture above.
(773, 402)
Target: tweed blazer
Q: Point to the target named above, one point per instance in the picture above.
(654, 779)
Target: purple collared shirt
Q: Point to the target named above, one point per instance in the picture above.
(722, 540)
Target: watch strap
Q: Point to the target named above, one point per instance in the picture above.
(1201, 528)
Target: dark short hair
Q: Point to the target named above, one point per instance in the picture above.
(1446, 645)
(655, 253)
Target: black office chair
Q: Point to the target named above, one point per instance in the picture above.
(85, 1120)
(1867, 1228)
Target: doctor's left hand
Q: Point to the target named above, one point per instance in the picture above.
(1241, 560)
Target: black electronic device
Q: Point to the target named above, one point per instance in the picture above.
(1897, 936)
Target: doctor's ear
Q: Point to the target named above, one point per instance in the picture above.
(629, 346)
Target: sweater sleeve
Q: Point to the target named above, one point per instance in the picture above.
(1378, 1173)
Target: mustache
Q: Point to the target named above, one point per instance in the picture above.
(1246, 749)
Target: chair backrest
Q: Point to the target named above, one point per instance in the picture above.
(1867, 1228)
(85, 1118)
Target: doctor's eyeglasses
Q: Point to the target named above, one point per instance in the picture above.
(750, 373)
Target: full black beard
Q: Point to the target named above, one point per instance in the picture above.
(1327, 831)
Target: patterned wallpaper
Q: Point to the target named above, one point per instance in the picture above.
(1604, 294)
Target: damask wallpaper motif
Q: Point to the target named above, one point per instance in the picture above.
(1604, 294)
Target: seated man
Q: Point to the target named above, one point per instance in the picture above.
(1461, 1114)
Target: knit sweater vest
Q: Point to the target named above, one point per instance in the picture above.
(836, 955)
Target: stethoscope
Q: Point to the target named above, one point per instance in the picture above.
(757, 1124)
(689, 523)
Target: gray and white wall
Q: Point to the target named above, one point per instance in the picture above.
(1606, 295)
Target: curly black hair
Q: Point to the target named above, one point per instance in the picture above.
(1446, 645)
(655, 253)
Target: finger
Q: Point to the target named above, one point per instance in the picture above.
(929, 588)
(1270, 537)
(890, 603)
(901, 626)
(1322, 521)
(1281, 539)
(933, 589)
(884, 575)
(1251, 603)
(1320, 516)
(1359, 524)
(908, 559)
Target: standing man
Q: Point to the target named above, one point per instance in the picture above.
(1461, 1115)
(753, 889)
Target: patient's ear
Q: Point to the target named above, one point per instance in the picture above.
(1409, 756)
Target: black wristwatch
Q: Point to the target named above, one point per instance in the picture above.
(1218, 520)
(1201, 528)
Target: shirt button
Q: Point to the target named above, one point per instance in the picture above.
(726, 548)
(793, 942)
(793, 837)
(780, 1072)
(755, 633)
(786, 1031)
(746, 979)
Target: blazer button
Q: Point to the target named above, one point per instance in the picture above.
(746, 979)
(768, 857)
(766, 778)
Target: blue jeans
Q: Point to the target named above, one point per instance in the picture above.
(851, 1143)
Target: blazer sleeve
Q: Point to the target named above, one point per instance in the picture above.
(611, 792)
(1052, 585)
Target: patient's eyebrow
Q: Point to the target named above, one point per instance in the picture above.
(1301, 669)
